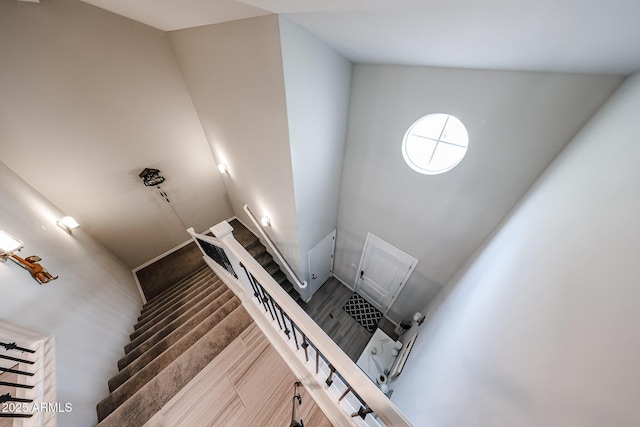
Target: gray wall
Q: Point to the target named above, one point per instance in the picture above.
(89, 309)
(234, 73)
(517, 123)
(87, 100)
(317, 83)
(541, 329)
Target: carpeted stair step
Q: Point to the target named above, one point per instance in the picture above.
(256, 249)
(175, 291)
(288, 287)
(279, 277)
(143, 376)
(170, 313)
(150, 395)
(204, 320)
(175, 287)
(150, 328)
(189, 287)
(156, 334)
(197, 288)
(264, 259)
(272, 268)
(259, 252)
(175, 321)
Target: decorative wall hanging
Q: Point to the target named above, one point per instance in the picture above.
(38, 272)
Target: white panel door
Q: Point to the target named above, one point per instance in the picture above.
(321, 262)
(384, 269)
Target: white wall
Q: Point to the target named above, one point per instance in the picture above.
(234, 73)
(88, 100)
(317, 83)
(541, 329)
(517, 123)
(89, 309)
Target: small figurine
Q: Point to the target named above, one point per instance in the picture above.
(38, 272)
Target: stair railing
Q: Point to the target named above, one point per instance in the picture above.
(296, 421)
(346, 395)
(291, 275)
(28, 360)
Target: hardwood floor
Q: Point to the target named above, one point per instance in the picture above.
(326, 309)
(248, 384)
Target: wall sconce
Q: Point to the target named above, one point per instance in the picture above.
(265, 221)
(68, 224)
(222, 168)
(8, 245)
(151, 177)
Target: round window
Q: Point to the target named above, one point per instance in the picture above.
(435, 144)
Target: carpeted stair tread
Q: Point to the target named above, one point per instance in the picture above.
(279, 277)
(151, 328)
(158, 390)
(175, 322)
(189, 295)
(272, 268)
(194, 328)
(243, 235)
(259, 252)
(154, 300)
(176, 291)
(201, 292)
(256, 249)
(143, 376)
(188, 287)
(264, 259)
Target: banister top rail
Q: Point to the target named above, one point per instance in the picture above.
(302, 284)
(362, 384)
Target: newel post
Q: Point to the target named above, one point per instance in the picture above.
(223, 231)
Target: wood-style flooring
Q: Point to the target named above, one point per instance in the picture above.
(325, 308)
(248, 384)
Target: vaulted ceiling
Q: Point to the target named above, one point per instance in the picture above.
(589, 36)
(100, 97)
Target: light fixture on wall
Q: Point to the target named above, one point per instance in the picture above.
(8, 245)
(68, 224)
(222, 168)
(265, 221)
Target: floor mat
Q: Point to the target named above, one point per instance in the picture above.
(363, 312)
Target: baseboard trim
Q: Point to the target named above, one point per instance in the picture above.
(343, 282)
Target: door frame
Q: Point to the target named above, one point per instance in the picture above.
(404, 279)
(333, 253)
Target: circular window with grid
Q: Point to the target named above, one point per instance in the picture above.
(435, 143)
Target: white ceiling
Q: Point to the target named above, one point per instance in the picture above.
(591, 36)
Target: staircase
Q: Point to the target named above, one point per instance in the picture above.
(257, 250)
(178, 333)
